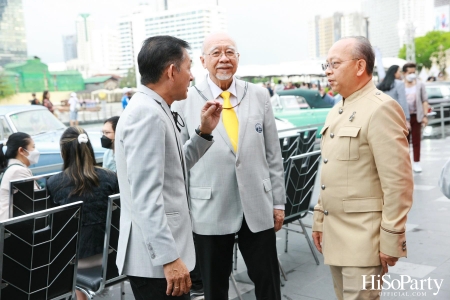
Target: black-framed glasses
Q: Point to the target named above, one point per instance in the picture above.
(228, 53)
(178, 120)
(335, 64)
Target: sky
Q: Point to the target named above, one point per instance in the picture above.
(266, 31)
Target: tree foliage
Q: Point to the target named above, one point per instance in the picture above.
(6, 89)
(130, 79)
(426, 46)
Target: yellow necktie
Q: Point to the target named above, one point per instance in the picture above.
(230, 120)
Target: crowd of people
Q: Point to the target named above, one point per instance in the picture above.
(73, 102)
(195, 174)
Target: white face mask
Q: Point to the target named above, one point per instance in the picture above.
(411, 77)
(33, 156)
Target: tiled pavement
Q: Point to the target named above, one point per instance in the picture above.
(428, 238)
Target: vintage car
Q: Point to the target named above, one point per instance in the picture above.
(45, 129)
(302, 107)
(438, 92)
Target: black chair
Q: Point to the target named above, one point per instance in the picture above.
(24, 198)
(300, 142)
(300, 180)
(38, 254)
(93, 281)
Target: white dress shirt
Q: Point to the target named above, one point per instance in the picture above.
(216, 91)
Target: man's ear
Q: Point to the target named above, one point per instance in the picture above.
(361, 64)
(202, 59)
(170, 72)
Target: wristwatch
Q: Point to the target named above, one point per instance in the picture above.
(207, 137)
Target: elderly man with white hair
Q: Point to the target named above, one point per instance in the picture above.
(237, 187)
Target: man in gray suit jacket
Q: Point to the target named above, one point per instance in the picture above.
(155, 248)
(237, 187)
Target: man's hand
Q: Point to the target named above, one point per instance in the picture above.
(317, 238)
(178, 278)
(278, 218)
(424, 121)
(408, 125)
(386, 261)
(210, 116)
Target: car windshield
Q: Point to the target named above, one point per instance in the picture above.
(435, 92)
(35, 122)
(289, 102)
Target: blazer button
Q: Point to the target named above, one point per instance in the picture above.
(404, 249)
(404, 243)
(325, 160)
(323, 186)
(153, 256)
(325, 212)
(341, 110)
(332, 135)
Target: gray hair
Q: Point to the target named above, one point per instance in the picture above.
(363, 50)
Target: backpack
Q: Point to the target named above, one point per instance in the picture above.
(4, 171)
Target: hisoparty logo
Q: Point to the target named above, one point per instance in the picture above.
(405, 286)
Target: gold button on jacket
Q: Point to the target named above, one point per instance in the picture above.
(368, 179)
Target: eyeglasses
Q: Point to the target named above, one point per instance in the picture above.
(335, 65)
(228, 53)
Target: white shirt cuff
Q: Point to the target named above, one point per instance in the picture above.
(280, 207)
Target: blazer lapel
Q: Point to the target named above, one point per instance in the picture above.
(204, 88)
(244, 107)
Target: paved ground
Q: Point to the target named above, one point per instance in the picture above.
(428, 237)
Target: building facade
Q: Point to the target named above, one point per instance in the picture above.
(324, 32)
(13, 44)
(390, 19)
(70, 47)
(182, 20)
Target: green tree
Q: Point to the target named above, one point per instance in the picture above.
(130, 79)
(426, 46)
(6, 89)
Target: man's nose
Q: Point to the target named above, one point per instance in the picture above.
(328, 71)
(223, 58)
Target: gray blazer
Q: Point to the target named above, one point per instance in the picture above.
(155, 226)
(224, 185)
(398, 94)
(421, 97)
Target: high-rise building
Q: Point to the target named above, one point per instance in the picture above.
(106, 51)
(441, 15)
(183, 20)
(84, 27)
(70, 47)
(324, 32)
(13, 44)
(389, 19)
(98, 49)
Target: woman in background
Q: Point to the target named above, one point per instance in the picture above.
(46, 101)
(393, 86)
(81, 180)
(107, 140)
(21, 152)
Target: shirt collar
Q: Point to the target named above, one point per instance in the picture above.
(16, 162)
(216, 91)
(361, 92)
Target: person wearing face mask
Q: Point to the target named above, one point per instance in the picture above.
(417, 99)
(107, 140)
(14, 163)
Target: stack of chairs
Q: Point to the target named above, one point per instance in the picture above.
(28, 203)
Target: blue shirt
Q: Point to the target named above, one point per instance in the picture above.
(108, 161)
(124, 101)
